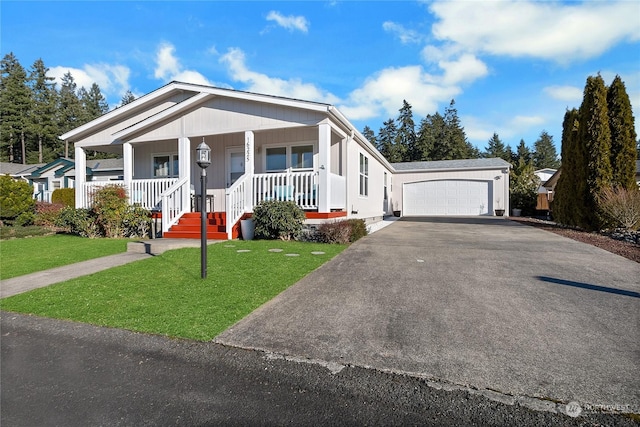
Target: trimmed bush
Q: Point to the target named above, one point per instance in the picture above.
(82, 222)
(620, 208)
(16, 197)
(110, 205)
(277, 219)
(47, 214)
(342, 232)
(64, 196)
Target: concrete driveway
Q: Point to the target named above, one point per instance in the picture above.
(478, 302)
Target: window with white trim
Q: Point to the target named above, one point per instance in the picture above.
(296, 157)
(165, 165)
(364, 175)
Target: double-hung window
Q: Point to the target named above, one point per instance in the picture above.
(165, 165)
(364, 175)
(296, 157)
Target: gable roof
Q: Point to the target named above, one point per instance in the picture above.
(18, 169)
(61, 162)
(490, 163)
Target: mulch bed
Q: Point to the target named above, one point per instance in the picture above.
(625, 249)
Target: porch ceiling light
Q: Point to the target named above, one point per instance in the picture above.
(203, 155)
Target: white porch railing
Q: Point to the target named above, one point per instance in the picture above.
(300, 187)
(174, 202)
(147, 193)
(236, 198)
(338, 197)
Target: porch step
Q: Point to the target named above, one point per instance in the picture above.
(189, 226)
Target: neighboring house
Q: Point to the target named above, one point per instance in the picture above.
(60, 173)
(267, 147)
(545, 195)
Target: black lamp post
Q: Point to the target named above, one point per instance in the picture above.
(203, 155)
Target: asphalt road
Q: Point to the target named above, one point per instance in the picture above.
(58, 373)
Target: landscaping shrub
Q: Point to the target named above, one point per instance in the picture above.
(358, 229)
(24, 219)
(64, 196)
(277, 219)
(47, 214)
(82, 222)
(342, 232)
(620, 208)
(110, 216)
(16, 197)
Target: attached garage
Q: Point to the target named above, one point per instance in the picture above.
(447, 197)
(451, 187)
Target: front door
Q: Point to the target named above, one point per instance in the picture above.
(235, 165)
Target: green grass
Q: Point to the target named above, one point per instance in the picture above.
(28, 255)
(165, 294)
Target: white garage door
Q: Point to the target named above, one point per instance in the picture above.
(446, 197)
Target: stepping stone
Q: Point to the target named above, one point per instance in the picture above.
(420, 260)
(292, 255)
(244, 250)
(229, 246)
(317, 253)
(275, 250)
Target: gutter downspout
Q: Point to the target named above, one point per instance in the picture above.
(346, 172)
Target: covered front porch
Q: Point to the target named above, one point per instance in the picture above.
(303, 164)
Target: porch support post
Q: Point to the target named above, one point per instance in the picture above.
(184, 166)
(324, 167)
(81, 176)
(249, 167)
(127, 159)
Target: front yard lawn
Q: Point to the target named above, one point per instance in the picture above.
(165, 294)
(28, 255)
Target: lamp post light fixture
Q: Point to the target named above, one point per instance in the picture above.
(203, 158)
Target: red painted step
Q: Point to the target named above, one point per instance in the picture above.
(188, 226)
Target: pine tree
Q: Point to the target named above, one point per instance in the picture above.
(523, 187)
(545, 154)
(496, 148)
(523, 152)
(368, 133)
(455, 145)
(43, 125)
(595, 137)
(406, 136)
(431, 130)
(15, 106)
(623, 136)
(70, 114)
(127, 98)
(386, 140)
(93, 102)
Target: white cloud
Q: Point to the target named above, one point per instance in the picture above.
(405, 35)
(113, 80)
(570, 94)
(290, 22)
(384, 92)
(261, 83)
(168, 68)
(465, 69)
(556, 31)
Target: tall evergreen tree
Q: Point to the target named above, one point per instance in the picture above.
(15, 106)
(623, 136)
(570, 191)
(387, 138)
(43, 124)
(496, 148)
(406, 136)
(510, 156)
(432, 129)
(93, 102)
(455, 145)
(545, 154)
(127, 98)
(523, 152)
(595, 138)
(70, 114)
(368, 133)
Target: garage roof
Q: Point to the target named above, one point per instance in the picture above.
(490, 163)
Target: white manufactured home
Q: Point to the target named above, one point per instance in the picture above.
(262, 148)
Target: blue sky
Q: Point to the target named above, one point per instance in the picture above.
(513, 67)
